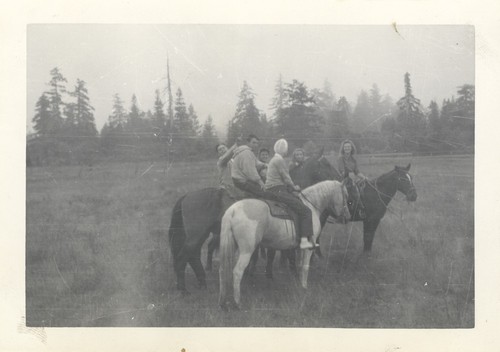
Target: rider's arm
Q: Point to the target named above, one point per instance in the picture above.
(224, 159)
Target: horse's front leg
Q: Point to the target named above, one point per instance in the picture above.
(305, 259)
(238, 271)
(369, 229)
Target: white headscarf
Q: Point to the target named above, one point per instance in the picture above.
(281, 147)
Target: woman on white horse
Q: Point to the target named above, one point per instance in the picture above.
(280, 183)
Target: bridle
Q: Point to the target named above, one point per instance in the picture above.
(407, 178)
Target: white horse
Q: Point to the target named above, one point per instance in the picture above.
(248, 223)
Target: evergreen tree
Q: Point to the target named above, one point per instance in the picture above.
(195, 123)
(42, 117)
(376, 107)
(278, 101)
(57, 88)
(361, 116)
(208, 130)
(82, 111)
(340, 119)
(434, 125)
(182, 123)
(118, 118)
(158, 117)
(410, 118)
(299, 121)
(246, 119)
(134, 115)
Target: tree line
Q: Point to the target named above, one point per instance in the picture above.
(66, 132)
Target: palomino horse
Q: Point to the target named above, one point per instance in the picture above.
(248, 223)
(198, 213)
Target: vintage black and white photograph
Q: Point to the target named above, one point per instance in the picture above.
(190, 175)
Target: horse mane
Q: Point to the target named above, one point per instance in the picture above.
(316, 192)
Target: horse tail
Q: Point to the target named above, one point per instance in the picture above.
(176, 232)
(226, 255)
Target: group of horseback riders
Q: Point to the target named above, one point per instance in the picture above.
(243, 175)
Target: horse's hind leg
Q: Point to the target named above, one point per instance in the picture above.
(238, 271)
(212, 246)
(271, 253)
(250, 270)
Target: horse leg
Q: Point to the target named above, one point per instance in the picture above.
(197, 267)
(238, 271)
(271, 253)
(305, 259)
(253, 262)
(369, 229)
(180, 262)
(292, 263)
(212, 246)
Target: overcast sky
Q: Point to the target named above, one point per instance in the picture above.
(210, 62)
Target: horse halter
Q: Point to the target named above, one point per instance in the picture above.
(409, 189)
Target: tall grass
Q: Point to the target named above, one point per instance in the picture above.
(97, 254)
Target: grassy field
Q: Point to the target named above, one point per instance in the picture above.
(97, 254)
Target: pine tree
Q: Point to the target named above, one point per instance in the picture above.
(195, 123)
(434, 126)
(361, 116)
(182, 123)
(278, 101)
(83, 111)
(376, 107)
(41, 120)
(410, 118)
(57, 88)
(159, 118)
(246, 119)
(209, 130)
(300, 122)
(134, 115)
(118, 117)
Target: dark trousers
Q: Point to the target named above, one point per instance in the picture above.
(294, 203)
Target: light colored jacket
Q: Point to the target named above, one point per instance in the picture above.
(277, 173)
(245, 165)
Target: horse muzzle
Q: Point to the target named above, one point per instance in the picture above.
(411, 196)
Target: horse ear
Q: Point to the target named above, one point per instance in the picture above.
(408, 167)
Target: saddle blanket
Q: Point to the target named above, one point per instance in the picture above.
(280, 210)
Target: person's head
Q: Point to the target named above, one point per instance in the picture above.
(264, 155)
(281, 147)
(253, 142)
(221, 149)
(298, 155)
(347, 148)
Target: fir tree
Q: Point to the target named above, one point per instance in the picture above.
(159, 118)
(118, 117)
(42, 117)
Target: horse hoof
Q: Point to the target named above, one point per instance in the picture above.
(229, 306)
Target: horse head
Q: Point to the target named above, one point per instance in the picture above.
(405, 183)
(316, 169)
